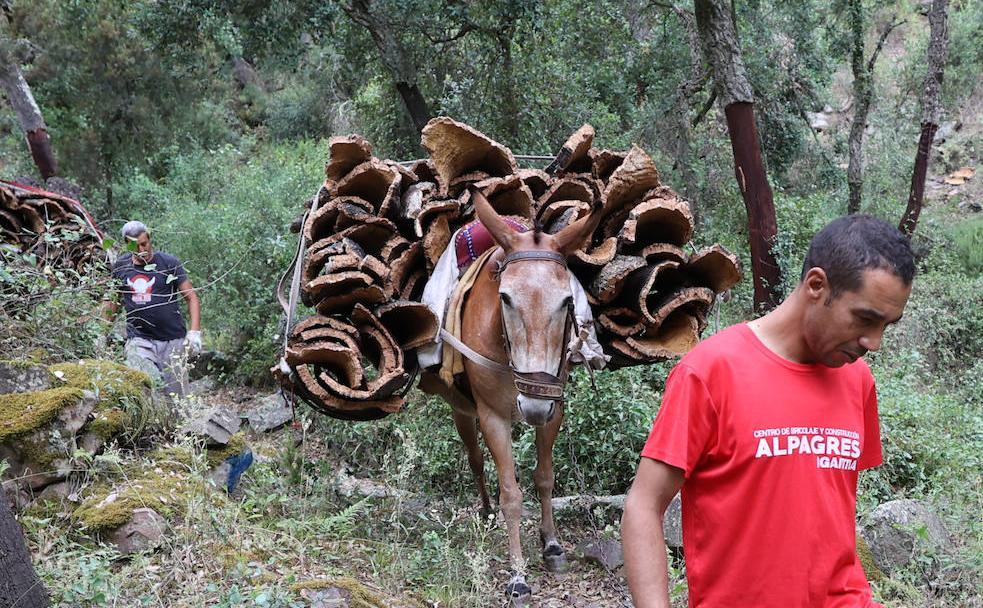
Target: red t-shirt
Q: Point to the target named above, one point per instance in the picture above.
(770, 450)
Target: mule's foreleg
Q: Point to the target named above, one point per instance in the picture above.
(498, 437)
(467, 428)
(553, 554)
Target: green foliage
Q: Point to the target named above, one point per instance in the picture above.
(967, 238)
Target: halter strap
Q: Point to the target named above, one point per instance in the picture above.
(517, 256)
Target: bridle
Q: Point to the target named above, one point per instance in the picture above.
(537, 385)
(541, 384)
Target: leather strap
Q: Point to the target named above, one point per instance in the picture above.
(518, 256)
(473, 355)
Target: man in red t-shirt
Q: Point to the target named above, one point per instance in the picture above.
(764, 427)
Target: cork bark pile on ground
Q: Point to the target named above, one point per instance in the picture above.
(52, 227)
(376, 228)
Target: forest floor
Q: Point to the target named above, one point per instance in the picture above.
(410, 522)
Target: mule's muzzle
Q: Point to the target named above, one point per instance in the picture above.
(539, 392)
(535, 412)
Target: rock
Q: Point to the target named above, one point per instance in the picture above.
(586, 502)
(946, 131)
(216, 426)
(602, 551)
(268, 413)
(60, 492)
(331, 597)
(896, 529)
(144, 531)
(818, 121)
(201, 386)
(42, 456)
(16, 377)
(672, 523)
(968, 205)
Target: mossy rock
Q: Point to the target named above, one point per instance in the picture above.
(109, 422)
(23, 413)
(866, 557)
(124, 393)
(115, 384)
(360, 596)
(166, 492)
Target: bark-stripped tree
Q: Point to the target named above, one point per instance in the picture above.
(863, 95)
(938, 47)
(722, 50)
(19, 584)
(22, 100)
(394, 56)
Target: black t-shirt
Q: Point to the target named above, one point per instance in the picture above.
(150, 296)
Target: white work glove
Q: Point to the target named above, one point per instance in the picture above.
(192, 341)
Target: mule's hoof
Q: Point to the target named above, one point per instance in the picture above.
(519, 593)
(555, 563)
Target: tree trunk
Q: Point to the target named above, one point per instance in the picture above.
(394, 56)
(931, 109)
(28, 113)
(863, 95)
(861, 106)
(715, 21)
(19, 584)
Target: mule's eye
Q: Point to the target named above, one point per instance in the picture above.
(506, 299)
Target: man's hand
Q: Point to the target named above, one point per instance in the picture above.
(193, 342)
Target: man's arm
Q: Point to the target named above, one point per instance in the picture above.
(642, 535)
(194, 305)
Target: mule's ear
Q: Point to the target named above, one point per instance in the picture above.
(574, 236)
(500, 231)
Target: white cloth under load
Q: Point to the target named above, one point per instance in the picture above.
(443, 280)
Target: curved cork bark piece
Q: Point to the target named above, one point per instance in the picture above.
(635, 176)
(715, 267)
(456, 149)
(536, 180)
(642, 284)
(412, 324)
(373, 181)
(435, 240)
(694, 299)
(595, 257)
(573, 155)
(345, 152)
(621, 321)
(611, 279)
(604, 163)
(566, 189)
(321, 223)
(559, 214)
(657, 252)
(675, 337)
(343, 303)
(666, 219)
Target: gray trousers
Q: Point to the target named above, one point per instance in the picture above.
(166, 361)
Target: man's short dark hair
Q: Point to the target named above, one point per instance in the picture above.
(849, 245)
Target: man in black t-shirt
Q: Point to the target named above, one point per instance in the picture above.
(149, 283)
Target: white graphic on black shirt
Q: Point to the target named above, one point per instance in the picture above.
(141, 288)
(833, 448)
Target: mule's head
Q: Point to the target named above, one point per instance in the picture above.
(536, 304)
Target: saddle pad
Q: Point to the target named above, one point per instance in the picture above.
(474, 239)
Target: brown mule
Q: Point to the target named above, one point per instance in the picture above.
(518, 313)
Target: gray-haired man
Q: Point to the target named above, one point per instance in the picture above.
(149, 282)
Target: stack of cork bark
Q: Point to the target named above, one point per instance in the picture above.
(376, 228)
(49, 226)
